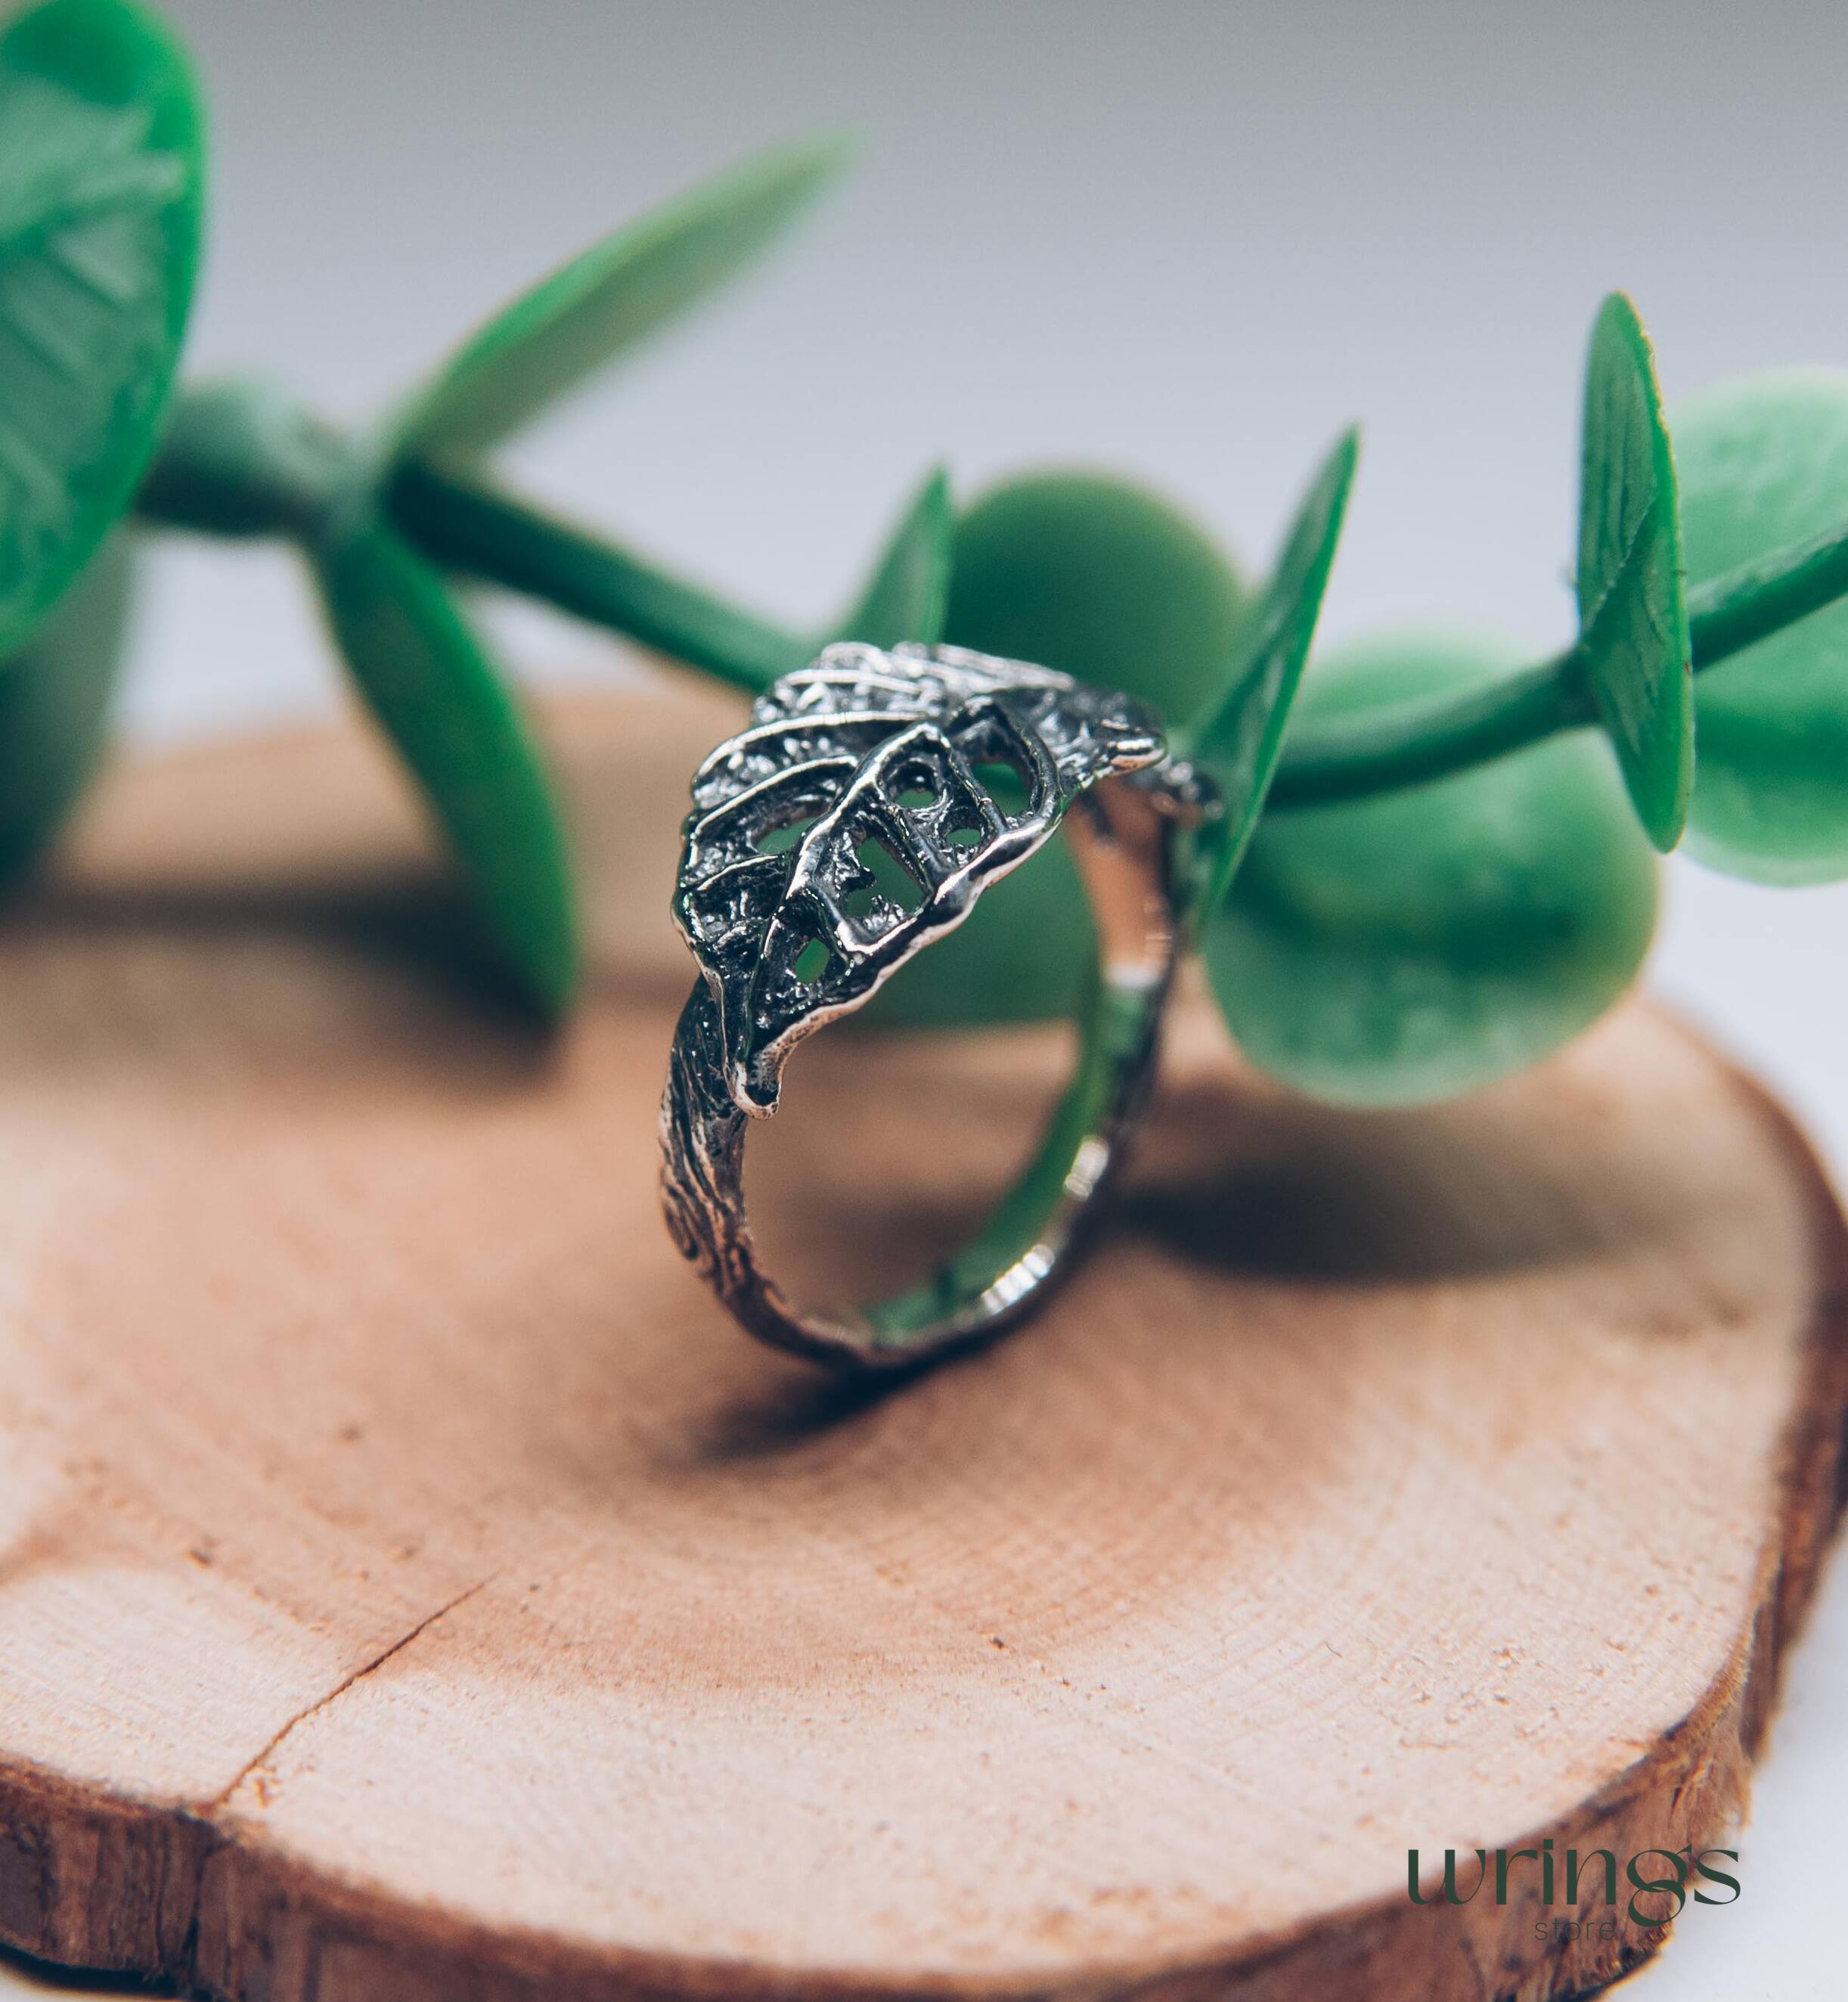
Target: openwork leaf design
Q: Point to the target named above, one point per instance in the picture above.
(874, 796)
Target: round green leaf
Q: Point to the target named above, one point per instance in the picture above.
(100, 193)
(1421, 944)
(1101, 579)
(1764, 465)
(54, 697)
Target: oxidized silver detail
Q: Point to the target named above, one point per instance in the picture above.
(866, 749)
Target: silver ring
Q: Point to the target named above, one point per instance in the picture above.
(793, 925)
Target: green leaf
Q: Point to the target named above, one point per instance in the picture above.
(101, 174)
(458, 727)
(1103, 580)
(1764, 466)
(909, 592)
(1240, 738)
(55, 696)
(1423, 944)
(609, 298)
(1633, 618)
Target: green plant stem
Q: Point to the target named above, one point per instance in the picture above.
(235, 462)
(1412, 744)
(1749, 604)
(1415, 742)
(466, 526)
(243, 459)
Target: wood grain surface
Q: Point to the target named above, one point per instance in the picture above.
(412, 1589)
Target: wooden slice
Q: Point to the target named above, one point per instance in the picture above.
(413, 1589)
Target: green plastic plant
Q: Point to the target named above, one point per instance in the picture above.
(1437, 863)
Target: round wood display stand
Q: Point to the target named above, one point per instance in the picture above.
(412, 1589)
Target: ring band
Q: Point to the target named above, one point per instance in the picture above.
(795, 920)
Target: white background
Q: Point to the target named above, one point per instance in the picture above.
(1192, 241)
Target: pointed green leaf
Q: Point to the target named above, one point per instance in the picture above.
(608, 299)
(456, 725)
(100, 195)
(1632, 616)
(1764, 467)
(1425, 942)
(55, 696)
(1239, 737)
(909, 592)
(1104, 581)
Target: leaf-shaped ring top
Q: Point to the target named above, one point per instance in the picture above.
(872, 799)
